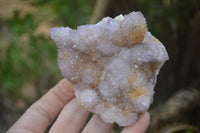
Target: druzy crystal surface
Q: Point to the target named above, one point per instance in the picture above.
(113, 65)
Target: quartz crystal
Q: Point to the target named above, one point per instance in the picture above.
(113, 65)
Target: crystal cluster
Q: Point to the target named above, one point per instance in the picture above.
(112, 64)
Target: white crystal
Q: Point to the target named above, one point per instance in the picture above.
(113, 65)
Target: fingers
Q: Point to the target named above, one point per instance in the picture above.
(42, 113)
(140, 126)
(97, 125)
(71, 120)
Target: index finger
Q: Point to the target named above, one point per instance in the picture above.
(42, 113)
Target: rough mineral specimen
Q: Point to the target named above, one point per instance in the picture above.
(113, 65)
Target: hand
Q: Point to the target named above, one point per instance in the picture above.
(72, 117)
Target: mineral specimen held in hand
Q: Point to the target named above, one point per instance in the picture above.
(113, 65)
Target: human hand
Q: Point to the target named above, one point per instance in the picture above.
(72, 117)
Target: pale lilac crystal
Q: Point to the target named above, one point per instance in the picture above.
(112, 64)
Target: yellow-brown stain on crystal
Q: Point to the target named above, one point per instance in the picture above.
(134, 93)
(64, 55)
(135, 36)
(126, 114)
(132, 79)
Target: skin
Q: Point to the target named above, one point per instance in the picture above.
(60, 101)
